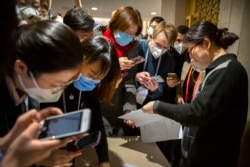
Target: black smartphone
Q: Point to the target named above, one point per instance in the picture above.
(124, 74)
(85, 142)
(138, 59)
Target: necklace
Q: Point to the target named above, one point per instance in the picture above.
(71, 97)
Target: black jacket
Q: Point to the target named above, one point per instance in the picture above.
(88, 100)
(217, 116)
(10, 111)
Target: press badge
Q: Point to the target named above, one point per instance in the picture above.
(141, 94)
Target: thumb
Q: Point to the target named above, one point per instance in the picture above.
(32, 130)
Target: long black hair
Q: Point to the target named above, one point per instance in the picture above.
(205, 29)
(47, 47)
(101, 49)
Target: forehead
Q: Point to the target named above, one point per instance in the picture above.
(132, 30)
(58, 77)
(93, 67)
(161, 38)
(153, 24)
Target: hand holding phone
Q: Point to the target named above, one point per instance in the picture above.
(65, 125)
(173, 75)
(158, 78)
(138, 59)
(85, 142)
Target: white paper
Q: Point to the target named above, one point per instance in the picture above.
(162, 130)
(140, 118)
(154, 127)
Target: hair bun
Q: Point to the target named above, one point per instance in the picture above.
(222, 32)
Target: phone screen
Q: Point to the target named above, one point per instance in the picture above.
(63, 125)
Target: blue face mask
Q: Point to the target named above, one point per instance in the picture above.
(123, 38)
(84, 83)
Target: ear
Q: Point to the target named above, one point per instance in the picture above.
(150, 36)
(20, 67)
(207, 43)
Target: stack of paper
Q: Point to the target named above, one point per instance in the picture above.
(154, 127)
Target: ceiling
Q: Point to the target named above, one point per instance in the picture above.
(106, 7)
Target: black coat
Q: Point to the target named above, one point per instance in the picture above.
(217, 116)
(88, 100)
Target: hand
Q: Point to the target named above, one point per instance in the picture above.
(180, 100)
(148, 108)
(104, 164)
(118, 83)
(143, 77)
(129, 123)
(152, 85)
(26, 149)
(172, 82)
(24, 121)
(59, 157)
(125, 63)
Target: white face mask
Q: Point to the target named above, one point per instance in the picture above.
(157, 51)
(180, 48)
(150, 31)
(42, 95)
(196, 66)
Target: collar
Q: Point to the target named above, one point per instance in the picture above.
(219, 60)
(17, 97)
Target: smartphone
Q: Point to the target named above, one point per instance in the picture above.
(85, 142)
(138, 59)
(158, 78)
(124, 74)
(173, 75)
(65, 125)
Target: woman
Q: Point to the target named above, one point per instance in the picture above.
(46, 58)
(216, 117)
(100, 72)
(124, 25)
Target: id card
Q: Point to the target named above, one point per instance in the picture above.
(158, 78)
(141, 94)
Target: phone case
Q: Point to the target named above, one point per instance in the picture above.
(158, 78)
(138, 59)
(84, 142)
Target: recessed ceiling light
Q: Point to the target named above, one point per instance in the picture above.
(153, 13)
(94, 8)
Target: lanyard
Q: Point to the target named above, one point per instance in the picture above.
(65, 105)
(196, 83)
(146, 60)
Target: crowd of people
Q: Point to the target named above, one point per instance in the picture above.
(54, 65)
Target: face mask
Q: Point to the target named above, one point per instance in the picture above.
(84, 83)
(39, 94)
(180, 48)
(123, 38)
(196, 66)
(150, 31)
(157, 51)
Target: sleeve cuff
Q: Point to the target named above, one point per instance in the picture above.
(155, 106)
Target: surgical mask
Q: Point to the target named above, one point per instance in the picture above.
(39, 94)
(84, 83)
(196, 66)
(180, 48)
(150, 31)
(123, 38)
(157, 51)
